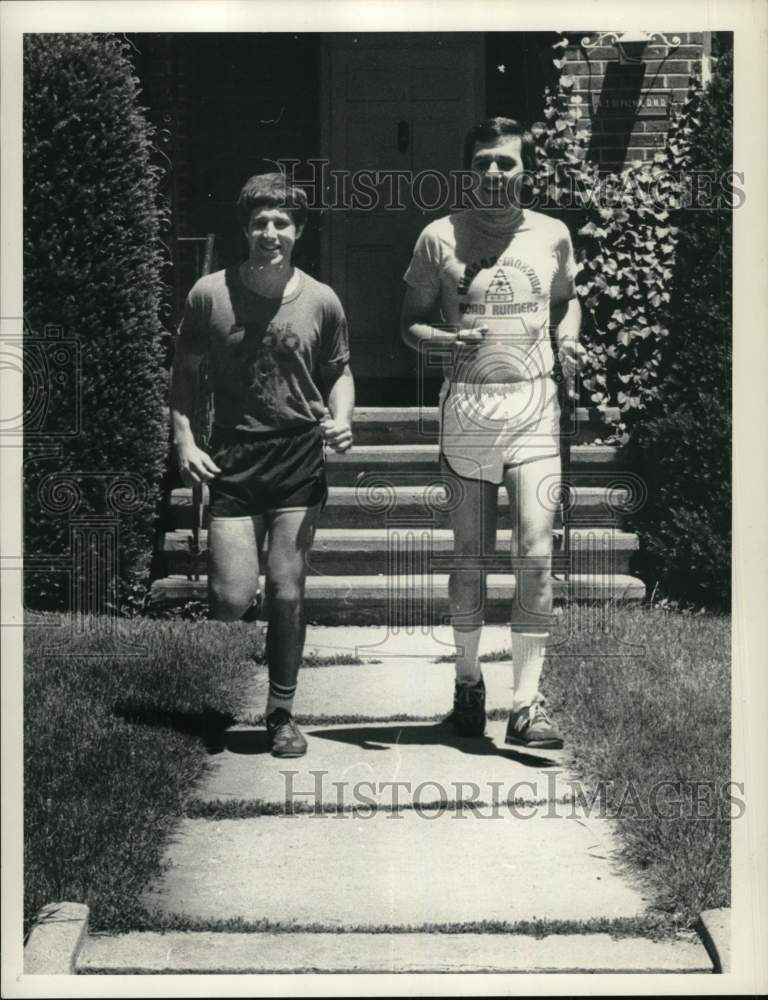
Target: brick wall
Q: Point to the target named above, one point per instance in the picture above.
(603, 84)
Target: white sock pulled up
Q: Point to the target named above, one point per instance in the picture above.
(527, 664)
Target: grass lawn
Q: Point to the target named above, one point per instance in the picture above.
(113, 746)
(663, 716)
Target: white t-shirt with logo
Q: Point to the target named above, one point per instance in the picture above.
(500, 276)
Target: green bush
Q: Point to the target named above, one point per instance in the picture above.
(655, 286)
(682, 445)
(92, 284)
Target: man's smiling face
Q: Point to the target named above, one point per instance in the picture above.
(271, 235)
(499, 166)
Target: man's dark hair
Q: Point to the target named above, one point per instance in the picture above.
(271, 191)
(496, 128)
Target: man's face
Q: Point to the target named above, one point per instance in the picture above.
(271, 235)
(499, 166)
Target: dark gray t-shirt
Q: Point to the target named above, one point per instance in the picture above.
(264, 354)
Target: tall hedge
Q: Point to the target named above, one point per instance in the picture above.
(93, 257)
(682, 445)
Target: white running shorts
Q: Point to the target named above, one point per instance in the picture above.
(487, 427)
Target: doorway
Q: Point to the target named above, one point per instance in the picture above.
(394, 106)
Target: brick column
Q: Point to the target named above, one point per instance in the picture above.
(647, 90)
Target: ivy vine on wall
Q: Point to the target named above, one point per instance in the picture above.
(624, 229)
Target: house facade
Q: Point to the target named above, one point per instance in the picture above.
(372, 125)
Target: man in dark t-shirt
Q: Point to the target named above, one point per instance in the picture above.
(278, 362)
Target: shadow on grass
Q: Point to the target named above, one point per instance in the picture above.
(208, 725)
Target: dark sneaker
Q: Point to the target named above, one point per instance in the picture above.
(531, 727)
(283, 735)
(469, 709)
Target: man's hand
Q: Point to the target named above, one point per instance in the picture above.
(471, 336)
(195, 466)
(336, 433)
(571, 356)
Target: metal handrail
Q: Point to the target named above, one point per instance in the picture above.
(201, 429)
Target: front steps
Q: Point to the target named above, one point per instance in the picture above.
(373, 505)
(409, 600)
(370, 551)
(383, 549)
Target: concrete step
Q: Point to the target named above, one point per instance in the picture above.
(390, 425)
(367, 465)
(413, 599)
(378, 550)
(200, 952)
(374, 507)
(420, 424)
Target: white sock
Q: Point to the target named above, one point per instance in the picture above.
(527, 664)
(467, 667)
(280, 696)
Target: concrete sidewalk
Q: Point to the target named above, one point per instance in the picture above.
(389, 828)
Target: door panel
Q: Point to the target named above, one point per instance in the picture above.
(393, 103)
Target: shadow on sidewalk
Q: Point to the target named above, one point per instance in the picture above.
(378, 738)
(428, 734)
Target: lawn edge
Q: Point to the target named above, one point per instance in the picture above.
(55, 940)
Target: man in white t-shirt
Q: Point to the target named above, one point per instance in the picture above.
(501, 278)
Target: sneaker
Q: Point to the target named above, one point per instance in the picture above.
(530, 726)
(283, 735)
(469, 709)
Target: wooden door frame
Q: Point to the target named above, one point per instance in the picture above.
(332, 40)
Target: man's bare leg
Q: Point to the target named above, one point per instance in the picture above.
(291, 533)
(234, 544)
(532, 524)
(473, 521)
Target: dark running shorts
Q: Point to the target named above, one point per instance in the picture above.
(271, 472)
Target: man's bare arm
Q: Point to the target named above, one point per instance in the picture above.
(419, 333)
(340, 387)
(565, 321)
(195, 465)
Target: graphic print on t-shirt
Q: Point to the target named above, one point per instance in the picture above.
(499, 289)
(266, 359)
(506, 299)
(263, 354)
